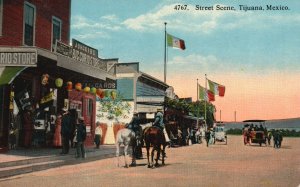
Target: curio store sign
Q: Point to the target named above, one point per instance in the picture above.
(18, 57)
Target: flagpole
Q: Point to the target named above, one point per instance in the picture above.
(197, 105)
(197, 91)
(205, 103)
(165, 56)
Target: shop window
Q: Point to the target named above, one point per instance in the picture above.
(56, 31)
(29, 24)
(1, 16)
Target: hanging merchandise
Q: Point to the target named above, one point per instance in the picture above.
(113, 94)
(107, 93)
(69, 86)
(93, 90)
(59, 82)
(100, 93)
(87, 89)
(45, 79)
(16, 109)
(78, 86)
(23, 99)
(11, 100)
(48, 100)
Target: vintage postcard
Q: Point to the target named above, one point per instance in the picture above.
(150, 93)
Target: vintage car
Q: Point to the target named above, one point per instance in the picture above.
(220, 133)
(254, 131)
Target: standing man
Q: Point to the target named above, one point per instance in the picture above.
(27, 126)
(207, 137)
(98, 135)
(80, 135)
(65, 131)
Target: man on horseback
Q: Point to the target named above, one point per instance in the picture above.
(135, 126)
(159, 122)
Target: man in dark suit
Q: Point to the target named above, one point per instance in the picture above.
(80, 136)
(65, 131)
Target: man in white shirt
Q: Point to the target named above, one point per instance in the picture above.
(98, 135)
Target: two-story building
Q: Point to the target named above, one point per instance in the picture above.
(39, 71)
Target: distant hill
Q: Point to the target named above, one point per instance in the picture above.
(291, 124)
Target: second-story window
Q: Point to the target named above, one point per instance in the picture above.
(1, 16)
(29, 24)
(56, 31)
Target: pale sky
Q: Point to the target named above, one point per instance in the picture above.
(254, 54)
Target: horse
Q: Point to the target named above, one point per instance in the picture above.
(155, 137)
(126, 137)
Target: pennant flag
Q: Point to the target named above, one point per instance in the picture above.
(175, 42)
(216, 88)
(205, 94)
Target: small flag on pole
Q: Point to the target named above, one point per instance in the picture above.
(216, 88)
(205, 94)
(173, 41)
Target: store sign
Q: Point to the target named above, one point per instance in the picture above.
(81, 53)
(63, 49)
(77, 45)
(146, 99)
(19, 58)
(102, 85)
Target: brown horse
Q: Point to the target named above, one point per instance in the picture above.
(154, 137)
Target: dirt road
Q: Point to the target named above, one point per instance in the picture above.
(197, 165)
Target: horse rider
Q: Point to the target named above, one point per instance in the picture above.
(135, 126)
(159, 122)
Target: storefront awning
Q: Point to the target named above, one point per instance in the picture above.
(9, 73)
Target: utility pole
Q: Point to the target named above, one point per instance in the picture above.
(235, 116)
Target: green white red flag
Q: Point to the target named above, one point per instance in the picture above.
(205, 94)
(173, 41)
(216, 88)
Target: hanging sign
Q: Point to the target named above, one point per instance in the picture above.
(81, 53)
(18, 57)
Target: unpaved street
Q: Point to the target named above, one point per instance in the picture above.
(197, 165)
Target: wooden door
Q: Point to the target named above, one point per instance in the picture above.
(89, 114)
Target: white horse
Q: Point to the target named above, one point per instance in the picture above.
(127, 138)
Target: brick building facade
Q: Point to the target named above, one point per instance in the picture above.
(29, 31)
(45, 15)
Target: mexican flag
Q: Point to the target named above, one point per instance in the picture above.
(175, 42)
(216, 88)
(205, 94)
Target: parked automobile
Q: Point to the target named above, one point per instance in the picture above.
(220, 133)
(255, 132)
